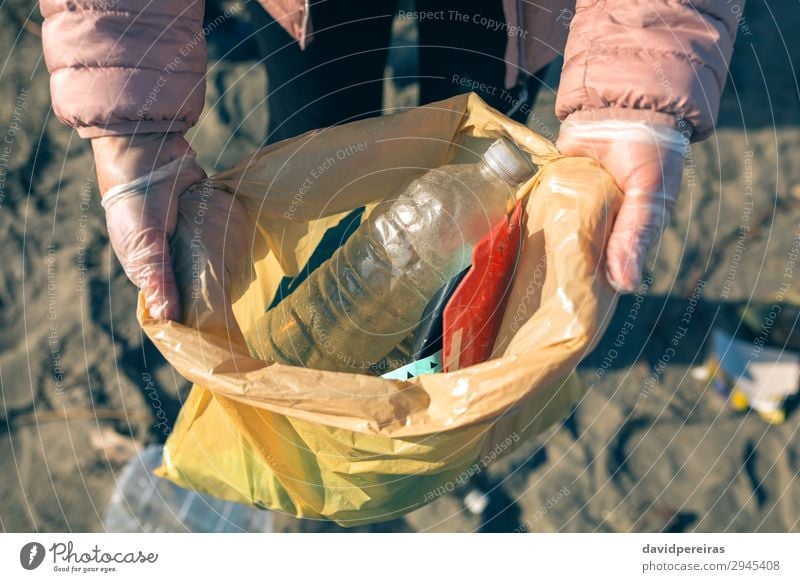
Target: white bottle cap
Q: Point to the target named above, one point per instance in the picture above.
(506, 159)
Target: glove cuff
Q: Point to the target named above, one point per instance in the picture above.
(659, 135)
(140, 186)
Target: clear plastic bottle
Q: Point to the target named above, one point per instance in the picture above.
(143, 502)
(360, 303)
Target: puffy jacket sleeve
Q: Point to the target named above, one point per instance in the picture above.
(664, 61)
(125, 66)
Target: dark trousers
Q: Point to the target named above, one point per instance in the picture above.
(339, 76)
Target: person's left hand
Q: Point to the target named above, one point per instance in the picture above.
(646, 161)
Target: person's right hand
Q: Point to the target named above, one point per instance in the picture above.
(141, 223)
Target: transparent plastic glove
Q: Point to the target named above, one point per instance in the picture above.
(646, 161)
(141, 212)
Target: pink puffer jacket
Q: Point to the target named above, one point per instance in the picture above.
(125, 66)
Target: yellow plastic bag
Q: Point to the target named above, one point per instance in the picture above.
(357, 448)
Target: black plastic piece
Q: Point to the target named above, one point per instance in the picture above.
(428, 337)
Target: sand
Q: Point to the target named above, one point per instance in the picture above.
(648, 449)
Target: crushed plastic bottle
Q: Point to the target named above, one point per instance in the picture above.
(144, 502)
(372, 292)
